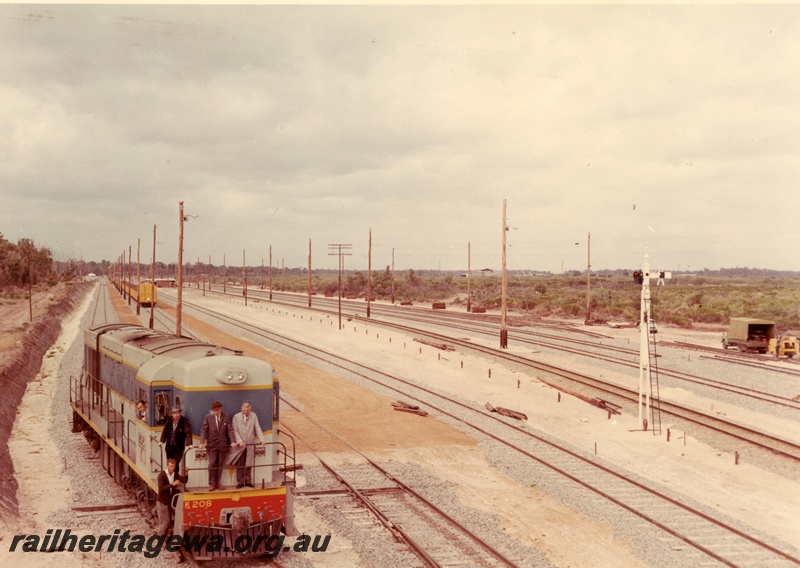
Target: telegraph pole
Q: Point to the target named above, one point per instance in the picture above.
(309, 273)
(207, 276)
(129, 268)
(469, 276)
(30, 287)
(270, 273)
(341, 252)
(153, 277)
(504, 306)
(244, 278)
(392, 275)
(179, 306)
(369, 271)
(588, 275)
(138, 276)
(224, 274)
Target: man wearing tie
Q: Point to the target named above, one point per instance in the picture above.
(246, 431)
(216, 431)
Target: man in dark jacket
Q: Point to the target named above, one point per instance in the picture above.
(169, 484)
(216, 432)
(175, 435)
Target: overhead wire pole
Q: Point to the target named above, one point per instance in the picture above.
(244, 278)
(469, 276)
(588, 275)
(392, 275)
(270, 273)
(224, 274)
(309, 273)
(179, 305)
(369, 271)
(130, 271)
(503, 302)
(207, 277)
(138, 276)
(341, 253)
(153, 278)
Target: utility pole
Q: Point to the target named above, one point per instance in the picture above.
(207, 276)
(130, 274)
(179, 306)
(588, 275)
(153, 278)
(309, 273)
(30, 287)
(469, 276)
(244, 278)
(392, 275)
(270, 273)
(341, 252)
(224, 274)
(369, 271)
(503, 302)
(138, 276)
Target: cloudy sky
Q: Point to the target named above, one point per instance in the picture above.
(672, 128)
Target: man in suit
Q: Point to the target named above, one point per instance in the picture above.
(175, 434)
(216, 431)
(246, 432)
(170, 483)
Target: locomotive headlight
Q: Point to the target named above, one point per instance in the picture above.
(231, 376)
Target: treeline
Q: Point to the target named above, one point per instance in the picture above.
(23, 264)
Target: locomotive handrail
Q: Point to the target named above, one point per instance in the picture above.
(161, 451)
(281, 464)
(129, 439)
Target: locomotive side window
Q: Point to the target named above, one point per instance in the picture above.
(141, 394)
(162, 406)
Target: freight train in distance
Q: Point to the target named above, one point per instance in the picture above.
(126, 363)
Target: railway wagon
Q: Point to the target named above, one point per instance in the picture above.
(146, 293)
(125, 363)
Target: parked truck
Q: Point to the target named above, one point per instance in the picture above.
(749, 334)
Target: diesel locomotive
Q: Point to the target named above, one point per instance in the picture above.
(126, 363)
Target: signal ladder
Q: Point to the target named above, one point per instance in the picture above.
(655, 396)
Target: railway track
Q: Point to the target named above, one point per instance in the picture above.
(479, 323)
(713, 538)
(435, 537)
(618, 394)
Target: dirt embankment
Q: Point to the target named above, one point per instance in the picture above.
(19, 365)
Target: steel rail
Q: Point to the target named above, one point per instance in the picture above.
(620, 476)
(384, 520)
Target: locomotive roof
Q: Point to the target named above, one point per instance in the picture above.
(165, 358)
(153, 341)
